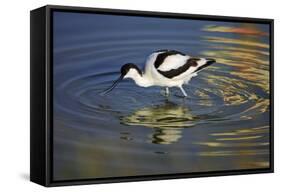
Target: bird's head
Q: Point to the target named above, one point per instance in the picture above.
(128, 70)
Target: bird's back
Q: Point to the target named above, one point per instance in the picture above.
(173, 67)
(165, 61)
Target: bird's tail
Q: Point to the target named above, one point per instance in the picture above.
(203, 63)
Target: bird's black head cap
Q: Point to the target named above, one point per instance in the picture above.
(126, 68)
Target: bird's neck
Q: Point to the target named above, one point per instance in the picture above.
(142, 80)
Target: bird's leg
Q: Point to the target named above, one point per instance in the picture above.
(167, 91)
(183, 91)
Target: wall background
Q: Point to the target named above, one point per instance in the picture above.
(14, 102)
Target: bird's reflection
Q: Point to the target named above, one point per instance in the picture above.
(167, 121)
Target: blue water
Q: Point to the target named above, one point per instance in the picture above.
(222, 125)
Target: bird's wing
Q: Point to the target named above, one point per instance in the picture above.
(187, 68)
(166, 60)
(171, 62)
(174, 64)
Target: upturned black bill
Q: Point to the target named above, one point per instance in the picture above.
(115, 83)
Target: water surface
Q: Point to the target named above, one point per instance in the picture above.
(222, 125)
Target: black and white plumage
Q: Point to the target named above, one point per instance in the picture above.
(164, 68)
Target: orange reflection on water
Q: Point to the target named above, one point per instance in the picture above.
(249, 30)
(236, 41)
(243, 132)
(248, 55)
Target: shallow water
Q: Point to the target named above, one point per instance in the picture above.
(222, 125)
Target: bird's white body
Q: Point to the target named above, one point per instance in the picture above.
(164, 68)
(167, 69)
(171, 62)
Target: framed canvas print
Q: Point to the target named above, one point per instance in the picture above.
(119, 95)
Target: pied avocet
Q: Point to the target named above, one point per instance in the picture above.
(164, 68)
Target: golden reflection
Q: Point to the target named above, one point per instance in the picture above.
(243, 132)
(247, 70)
(240, 56)
(260, 106)
(225, 40)
(238, 143)
(234, 153)
(205, 98)
(248, 30)
(232, 91)
(247, 55)
(220, 144)
(241, 49)
(167, 119)
(262, 164)
(239, 138)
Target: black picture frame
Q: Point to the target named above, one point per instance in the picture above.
(41, 141)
